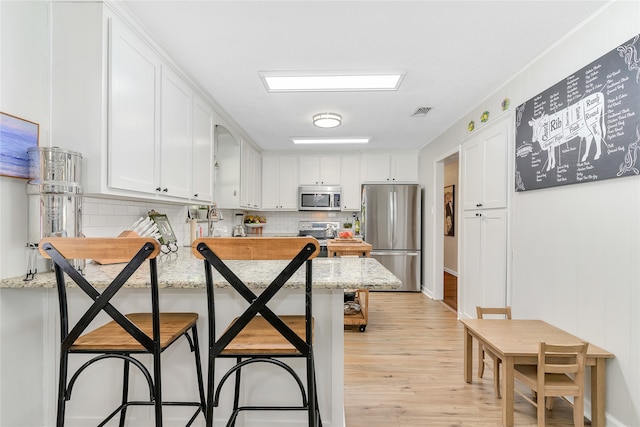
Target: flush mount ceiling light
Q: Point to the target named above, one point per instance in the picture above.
(327, 120)
(351, 140)
(330, 82)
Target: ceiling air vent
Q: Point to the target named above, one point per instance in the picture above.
(421, 112)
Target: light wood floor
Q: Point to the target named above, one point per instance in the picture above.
(406, 370)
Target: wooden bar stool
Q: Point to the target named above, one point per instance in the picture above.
(125, 336)
(259, 335)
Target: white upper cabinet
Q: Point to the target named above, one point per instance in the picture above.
(134, 85)
(390, 167)
(202, 152)
(227, 174)
(118, 103)
(251, 177)
(319, 170)
(350, 177)
(279, 182)
(176, 136)
(485, 167)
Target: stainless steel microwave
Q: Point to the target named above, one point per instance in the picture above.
(319, 198)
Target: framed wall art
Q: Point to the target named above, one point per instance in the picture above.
(16, 137)
(449, 210)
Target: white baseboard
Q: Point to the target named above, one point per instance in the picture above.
(451, 272)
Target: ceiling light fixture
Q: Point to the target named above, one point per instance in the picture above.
(330, 82)
(327, 120)
(351, 140)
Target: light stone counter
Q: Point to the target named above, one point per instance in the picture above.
(185, 271)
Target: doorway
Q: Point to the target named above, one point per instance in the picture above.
(447, 231)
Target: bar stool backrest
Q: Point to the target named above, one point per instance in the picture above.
(138, 250)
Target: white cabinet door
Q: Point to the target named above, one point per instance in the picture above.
(483, 272)
(279, 182)
(134, 77)
(250, 178)
(350, 177)
(329, 170)
(309, 170)
(203, 151)
(377, 167)
(390, 167)
(270, 182)
(227, 175)
(289, 182)
(176, 136)
(319, 170)
(404, 167)
(485, 167)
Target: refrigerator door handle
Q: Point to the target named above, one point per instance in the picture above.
(394, 215)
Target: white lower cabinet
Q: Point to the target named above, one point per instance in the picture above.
(483, 263)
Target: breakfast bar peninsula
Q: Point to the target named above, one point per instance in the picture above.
(30, 333)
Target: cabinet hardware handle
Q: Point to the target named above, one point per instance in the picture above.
(478, 214)
(158, 188)
(165, 190)
(195, 195)
(478, 205)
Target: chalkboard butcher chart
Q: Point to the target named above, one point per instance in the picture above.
(584, 128)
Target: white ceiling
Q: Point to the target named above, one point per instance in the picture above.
(455, 53)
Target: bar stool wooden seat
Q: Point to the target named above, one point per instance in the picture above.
(259, 335)
(126, 336)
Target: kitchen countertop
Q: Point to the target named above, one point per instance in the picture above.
(185, 271)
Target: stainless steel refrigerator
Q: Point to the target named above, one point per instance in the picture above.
(391, 216)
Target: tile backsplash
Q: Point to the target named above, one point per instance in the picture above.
(109, 217)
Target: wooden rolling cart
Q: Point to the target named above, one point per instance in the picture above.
(354, 248)
(359, 318)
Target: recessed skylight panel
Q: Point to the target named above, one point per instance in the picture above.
(331, 83)
(348, 140)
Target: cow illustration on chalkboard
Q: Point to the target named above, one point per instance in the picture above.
(584, 120)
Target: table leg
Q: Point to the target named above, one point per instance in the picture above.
(507, 391)
(598, 386)
(468, 357)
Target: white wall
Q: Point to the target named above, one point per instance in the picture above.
(575, 248)
(24, 92)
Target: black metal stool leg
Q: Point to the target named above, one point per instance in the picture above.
(196, 351)
(125, 392)
(236, 396)
(311, 391)
(211, 385)
(157, 375)
(62, 389)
